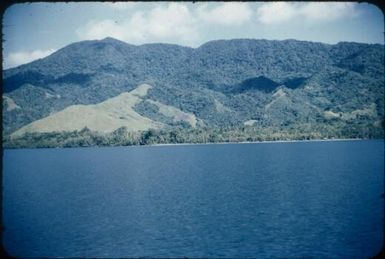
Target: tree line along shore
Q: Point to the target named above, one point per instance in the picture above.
(178, 135)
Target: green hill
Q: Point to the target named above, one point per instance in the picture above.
(287, 85)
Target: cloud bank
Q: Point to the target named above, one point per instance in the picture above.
(174, 22)
(18, 58)
(177, 23)
(279, 12)
(229, 14)
(192, 24)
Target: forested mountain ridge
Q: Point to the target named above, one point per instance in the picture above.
(225, 83)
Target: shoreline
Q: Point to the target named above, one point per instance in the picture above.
(255, 142)
(208, 143)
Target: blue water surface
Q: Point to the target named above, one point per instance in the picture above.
(301, 199)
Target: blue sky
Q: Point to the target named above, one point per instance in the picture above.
(35, 30)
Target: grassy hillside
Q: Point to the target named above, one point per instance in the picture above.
(288, 85)
(106, 116)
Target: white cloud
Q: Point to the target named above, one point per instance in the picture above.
(162, 23)
(328, 11)
(175, 19)
(276, 12)
(101, 29)
(230, 13)
(279, 12)
(121, 6)
(173, 23)
(18, 58)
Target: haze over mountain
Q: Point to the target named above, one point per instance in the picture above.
(223, 83)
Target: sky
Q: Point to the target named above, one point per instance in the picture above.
(35, 30)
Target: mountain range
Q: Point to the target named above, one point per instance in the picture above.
(106, 84)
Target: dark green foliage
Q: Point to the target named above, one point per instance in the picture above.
(24, 77)
(177, 135)
(223, 83)
(260, 83)
(73, 78)
(295, 82)
(152, 111)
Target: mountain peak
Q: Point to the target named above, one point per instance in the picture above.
(110, 39)
(241, 75)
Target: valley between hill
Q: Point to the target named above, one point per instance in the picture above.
(107, 92)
